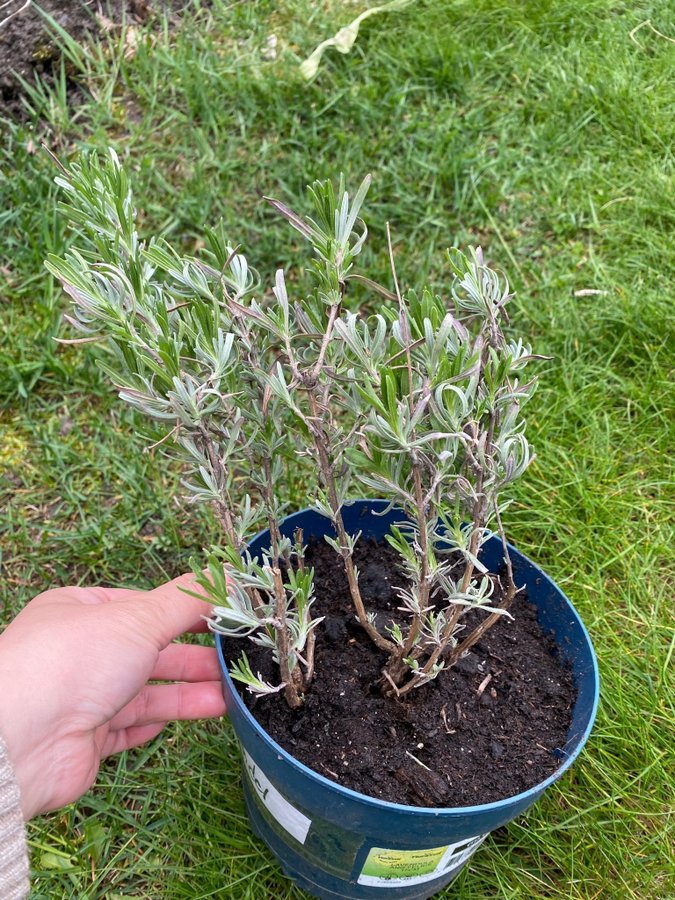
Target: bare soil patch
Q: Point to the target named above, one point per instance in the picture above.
(29, 50)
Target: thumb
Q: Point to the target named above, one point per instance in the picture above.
(174, 611)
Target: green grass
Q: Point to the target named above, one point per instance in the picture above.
(539, 129)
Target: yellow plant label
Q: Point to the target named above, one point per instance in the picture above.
(397, 868)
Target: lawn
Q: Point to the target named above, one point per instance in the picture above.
(541, 130)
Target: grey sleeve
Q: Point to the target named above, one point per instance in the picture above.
(14, 884)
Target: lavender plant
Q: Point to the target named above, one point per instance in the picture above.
(419, 404)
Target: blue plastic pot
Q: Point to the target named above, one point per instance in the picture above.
(334, 842)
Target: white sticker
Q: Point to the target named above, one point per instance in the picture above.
(401, 868)
(290, 818)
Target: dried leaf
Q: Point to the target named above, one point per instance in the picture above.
(106, 25)
(131, 42)
(344, 39)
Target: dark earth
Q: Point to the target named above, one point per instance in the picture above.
(480, 732)
(28, 49)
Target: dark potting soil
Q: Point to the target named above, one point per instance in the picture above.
(28, 49)
(482, 731)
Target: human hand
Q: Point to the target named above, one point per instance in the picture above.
(74, 670)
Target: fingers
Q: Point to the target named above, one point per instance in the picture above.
(165, 702)
(126, 738)
(186, 662)
(174, 611)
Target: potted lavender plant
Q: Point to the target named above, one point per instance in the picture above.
(386, 726)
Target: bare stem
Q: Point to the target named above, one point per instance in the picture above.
(478, 524)
(272, 523)
(480, 630)
(310, 381)
(292, 679)
(299, 552)
(511, 592)
(333, 313)
(309, 671)
(325, 467)
(222, 504)
(394, 669)
(224, 513)
(510, 582)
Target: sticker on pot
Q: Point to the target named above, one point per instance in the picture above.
(290, 818)
(400, 868)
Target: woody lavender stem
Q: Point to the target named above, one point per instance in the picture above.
(396, 668)
(325, 467)
(311, 637)
(479, 519)
(418, 680)
(223, 507)
(223, 503)
(296, 682)
(310, 382)
(292, 680)
(511, 591)
(272, 524)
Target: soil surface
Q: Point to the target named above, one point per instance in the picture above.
(482, 731)
(28, 49)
